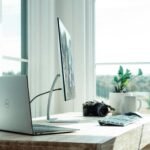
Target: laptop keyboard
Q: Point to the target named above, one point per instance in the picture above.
(42, 129)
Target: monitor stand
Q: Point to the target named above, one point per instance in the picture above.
(56, 120)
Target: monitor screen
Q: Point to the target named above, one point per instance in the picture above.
(67, 70)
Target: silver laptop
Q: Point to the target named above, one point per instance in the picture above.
(15, 111)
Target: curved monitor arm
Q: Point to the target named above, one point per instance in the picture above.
(50, 95)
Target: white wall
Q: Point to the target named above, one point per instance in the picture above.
(41, 51)
(43, 61)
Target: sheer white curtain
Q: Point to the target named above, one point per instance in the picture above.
(41, 46)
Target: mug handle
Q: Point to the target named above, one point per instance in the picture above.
(140, 104)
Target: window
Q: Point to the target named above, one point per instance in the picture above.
(122, 38)
(13, 43)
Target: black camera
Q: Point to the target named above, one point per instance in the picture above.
(95, 108)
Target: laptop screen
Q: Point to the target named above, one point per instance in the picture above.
(15, 112)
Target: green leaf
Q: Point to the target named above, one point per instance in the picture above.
(140, 72)
(120, 72)
(126, 83)
(128, 72)
(116, 89)
(116, 79)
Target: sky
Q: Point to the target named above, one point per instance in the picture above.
(122, 32)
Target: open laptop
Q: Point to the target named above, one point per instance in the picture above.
(15, 110)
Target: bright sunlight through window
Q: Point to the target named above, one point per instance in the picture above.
(122, 38)
(10, 35)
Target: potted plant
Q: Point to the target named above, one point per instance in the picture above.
(120, 92)
(123, 78)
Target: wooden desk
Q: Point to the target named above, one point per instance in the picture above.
(91, 136)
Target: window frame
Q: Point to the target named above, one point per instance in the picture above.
(24, 35)
(90, 50)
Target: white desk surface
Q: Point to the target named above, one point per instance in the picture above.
(90, 136)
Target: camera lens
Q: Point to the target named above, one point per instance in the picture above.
(102, 110)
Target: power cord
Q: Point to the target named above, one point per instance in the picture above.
(43, 94)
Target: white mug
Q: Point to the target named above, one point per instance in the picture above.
(129, 104)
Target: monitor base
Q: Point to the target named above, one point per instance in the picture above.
(56, 120)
